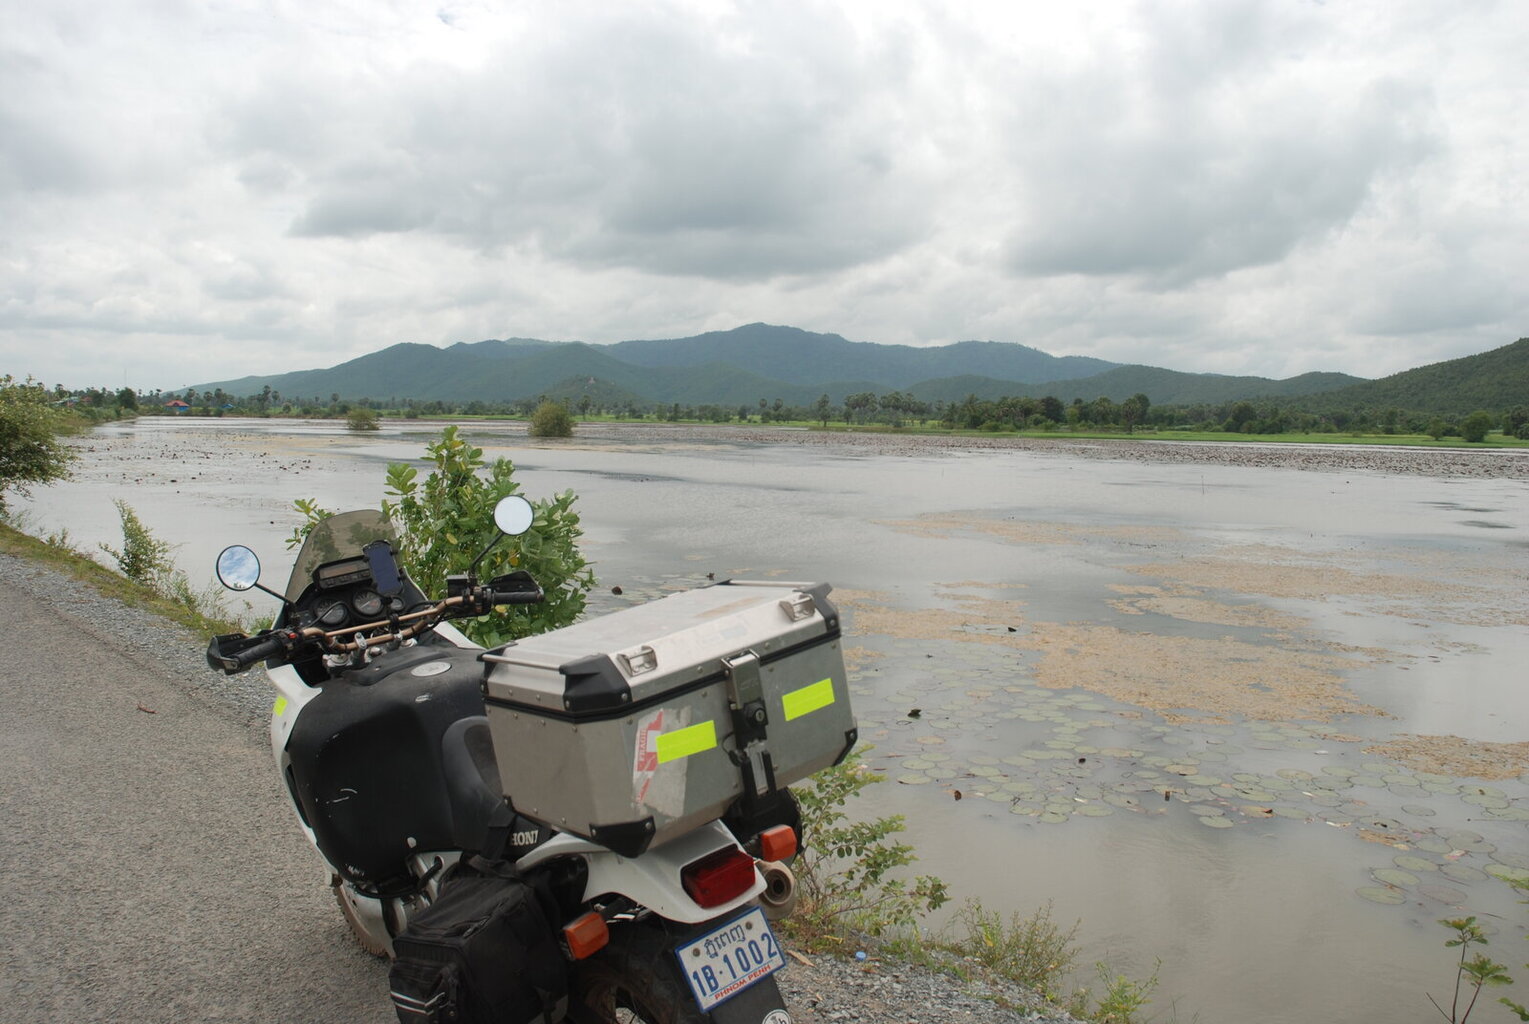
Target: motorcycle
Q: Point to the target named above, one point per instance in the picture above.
(382, 737)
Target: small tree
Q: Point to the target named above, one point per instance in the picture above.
(361, 418)
(551, 419)
(1475, 426)
(30, 451)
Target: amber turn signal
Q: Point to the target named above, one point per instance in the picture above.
(778, 843)
(586, 935)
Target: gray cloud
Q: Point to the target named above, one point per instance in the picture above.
(634, 143)
(1190, 160)
(1246, 186)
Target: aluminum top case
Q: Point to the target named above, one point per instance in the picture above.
(634, 728)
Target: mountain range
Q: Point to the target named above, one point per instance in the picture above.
(762, 361)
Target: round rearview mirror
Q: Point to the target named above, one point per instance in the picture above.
(238, 568)
(513, 515)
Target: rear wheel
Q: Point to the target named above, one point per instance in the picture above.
(634, 981)
(365, 937)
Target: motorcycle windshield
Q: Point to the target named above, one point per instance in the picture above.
(341, 536)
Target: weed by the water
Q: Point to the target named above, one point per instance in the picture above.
(1034, 951)
(1472, 973)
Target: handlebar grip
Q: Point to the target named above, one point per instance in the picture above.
(518, 596)
(235, 652)
(259, 652)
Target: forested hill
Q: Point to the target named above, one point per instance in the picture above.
(743, 366)
(1496, 380)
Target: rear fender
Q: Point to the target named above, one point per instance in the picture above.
(653, 879)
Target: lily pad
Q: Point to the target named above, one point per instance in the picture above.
(1463, 873)
(1419, 811)
(1495, 803)
(1053, 818)
(1376, 894)
(1093, 810)
(1394, 876)
(1338, 771)
(1214, 822)
(1509, 874)
(1294, 813)
(914, 779)
(1410, 863)
(1206, 811)
(1510, 814)
(1443, 893)
(1433, 844)
(1512, 859)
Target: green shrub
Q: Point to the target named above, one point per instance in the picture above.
(1033, 951)
(446, 520)
(144, 558)
(551, 419)
(1474, 427)
(361, 418)
(845, 867)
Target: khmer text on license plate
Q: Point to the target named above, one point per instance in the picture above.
(729, 959)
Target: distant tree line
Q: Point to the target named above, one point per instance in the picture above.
(894, 409)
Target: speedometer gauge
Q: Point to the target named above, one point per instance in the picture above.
(367, 603)
(332, 613)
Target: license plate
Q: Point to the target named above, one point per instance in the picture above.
(729, 959)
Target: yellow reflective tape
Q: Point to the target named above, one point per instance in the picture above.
(671, 746)
(279, 706)
(808, 699)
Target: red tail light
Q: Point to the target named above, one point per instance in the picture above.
(719, 877)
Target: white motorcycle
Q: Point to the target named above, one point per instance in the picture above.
(434, 812)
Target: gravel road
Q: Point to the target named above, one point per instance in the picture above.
(155, 874)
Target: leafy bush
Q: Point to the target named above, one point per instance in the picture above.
(1033, 951)
(30, 451)
(1475, 426)
(845, 865)
(551, 419)
(445, 521)
(144, 558)
(361, 418)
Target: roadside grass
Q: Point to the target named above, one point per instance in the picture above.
(59, 552)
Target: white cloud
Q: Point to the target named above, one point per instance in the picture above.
(1245, 186)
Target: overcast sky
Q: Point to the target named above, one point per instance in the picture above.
(193, 190)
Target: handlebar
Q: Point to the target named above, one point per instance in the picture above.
(235, 652)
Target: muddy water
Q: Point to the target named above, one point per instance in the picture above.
(1222, 714)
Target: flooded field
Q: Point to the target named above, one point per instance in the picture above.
(1263, 723)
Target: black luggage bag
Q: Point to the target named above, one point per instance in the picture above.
(485, 952)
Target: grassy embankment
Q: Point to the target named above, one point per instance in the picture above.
(59, 554)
